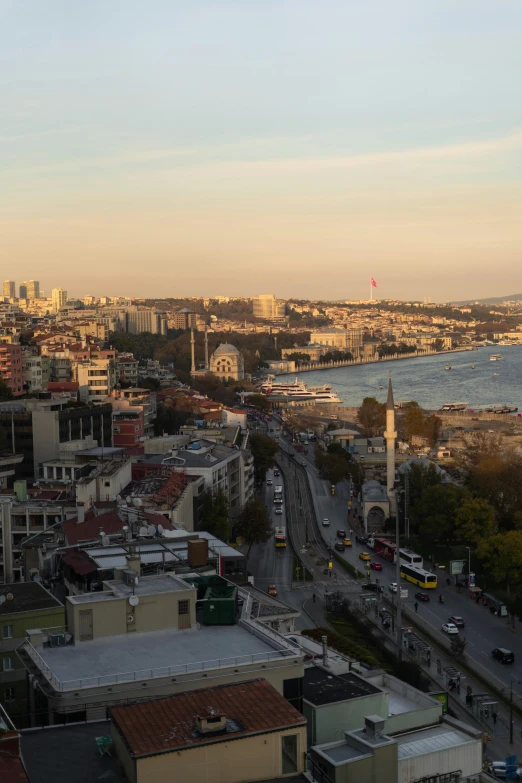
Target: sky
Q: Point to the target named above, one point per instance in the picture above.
(204, 147)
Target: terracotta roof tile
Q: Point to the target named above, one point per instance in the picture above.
(169, 723)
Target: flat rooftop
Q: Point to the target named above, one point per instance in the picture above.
(322, 687)
(125, 657)
(152, 585)
(431, 740)
(26, 597)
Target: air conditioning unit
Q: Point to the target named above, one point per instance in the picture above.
(57, 639)
(130, 618)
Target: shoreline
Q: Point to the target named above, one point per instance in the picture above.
(361, 362)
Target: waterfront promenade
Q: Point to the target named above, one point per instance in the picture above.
(312, 366)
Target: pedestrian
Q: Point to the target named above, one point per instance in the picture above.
(416, 605)
(313, 597)
(494, 716)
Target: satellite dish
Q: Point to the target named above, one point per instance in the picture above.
(134, 600)
(143, 531)
(151, 530)
(128, 499)
(2, 599)
(10, 597)
(160, 530)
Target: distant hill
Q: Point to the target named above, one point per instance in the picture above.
(491, 300)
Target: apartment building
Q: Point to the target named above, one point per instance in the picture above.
(136, 397)
(127, 369)
(33, 289)
(183, 319)
(128, 429)
(37, 371)
(267, 307)
(153, 641)
(96, 379)
(26, 605)
(9, 289)
(58, 298)
(145, 319)
(11, 368)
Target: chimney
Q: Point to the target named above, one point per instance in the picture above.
(324, 640)
(211, 722)
(133, 562)
(374, 726)
(80, 512)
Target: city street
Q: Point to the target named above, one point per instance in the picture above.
(483, 631)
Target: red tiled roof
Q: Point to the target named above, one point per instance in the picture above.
(62, 387)
(85, 531)
(11, 767)
(80, 562)
(169, 723)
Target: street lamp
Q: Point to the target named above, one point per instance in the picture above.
(469, 563)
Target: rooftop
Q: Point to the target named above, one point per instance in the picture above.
(26, 597)
(143, 656)
(321, 687)
(168, 724)
(152, 585)
(436, 738)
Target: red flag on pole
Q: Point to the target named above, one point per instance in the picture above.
(372, 281)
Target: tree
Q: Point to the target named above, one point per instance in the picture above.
(502, 555)
(372, 416)
(497, 477)
(263, 450)
(419, 478)
(298, 357)
(458, 645)
(433, 515)
(215, 514)
(254, 524)
(334, 468)
(150, 383)
(475, 520)
(5, 392)
(258, 401)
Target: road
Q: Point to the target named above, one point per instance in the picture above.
(483, 630)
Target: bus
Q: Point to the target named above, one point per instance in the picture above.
(278, 495)
(411, 558)
(280, 536)
(418, 576)
(385, 549)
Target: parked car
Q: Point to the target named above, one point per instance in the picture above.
(364, 556)
(347, 542)
(458, 621)
(341, 534)
(272, 590)
(503, 655)
(360, 539)
(279, 510)
(326, 522)
(498, 770)
(376, 566)
(339, 546)
(423, 597)
(373, 587)
(449, 628)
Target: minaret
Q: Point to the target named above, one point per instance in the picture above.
(206, 349)
(390, 435)
(192, 350)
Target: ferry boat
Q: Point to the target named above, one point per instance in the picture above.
(455, 406)
(495, 357)
(298, 390)
(447, 367)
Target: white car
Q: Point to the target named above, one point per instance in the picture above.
(449, 628)
(498, 770)
(392, 587)
(326, 522)
(279, 510)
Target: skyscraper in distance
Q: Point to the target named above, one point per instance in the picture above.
(33, 289)
(9, 289)
(59, 298)
(22, 290)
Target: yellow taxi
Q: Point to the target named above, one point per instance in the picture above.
(272, 590)
(364, 556)
(347, 541)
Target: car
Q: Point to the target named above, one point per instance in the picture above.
(376, 566)
(269, 482)
(326, 522)
(423, 597)
(361, 539)
(303, 463)
(279, 510)
(364, 556)
(276, 473)
(347, 542)
(458, 621)
(339, 546)
(373, 587)
(449, 628)
(503, 655)
(272, 590)
(392, 587)
(498, 770)
(341, 533)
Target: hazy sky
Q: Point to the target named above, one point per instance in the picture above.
(196, 147)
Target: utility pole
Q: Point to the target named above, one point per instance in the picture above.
(398, 580)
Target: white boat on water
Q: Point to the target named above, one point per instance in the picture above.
(448, 367)
(496, 357)
(298, 390)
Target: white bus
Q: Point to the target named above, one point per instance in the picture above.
(278, 495)
(410, 558)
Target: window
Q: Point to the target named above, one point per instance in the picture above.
(9, 694)
(183, 607)
(289, 753)
(7, 632)
(7, 664)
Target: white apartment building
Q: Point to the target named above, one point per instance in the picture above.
(267, 307)
(145, 319)
(36, 372)
(58, 298)
(96, 378)
(9, 289)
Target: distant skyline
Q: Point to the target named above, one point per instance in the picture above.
(294, 147)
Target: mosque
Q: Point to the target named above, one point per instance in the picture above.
(226, 362)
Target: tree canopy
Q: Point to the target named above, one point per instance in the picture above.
(372, 416)
(264, 450)
(253, 524)
(215, 514)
